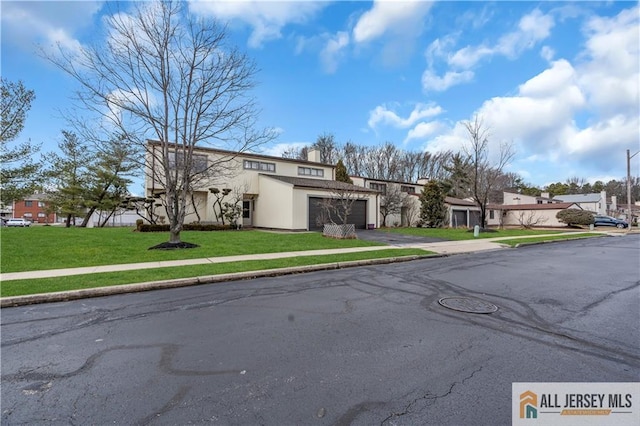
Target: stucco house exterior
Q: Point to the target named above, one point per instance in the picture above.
(596, 202)
(530, 215)
(275, 192)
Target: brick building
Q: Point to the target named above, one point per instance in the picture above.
(34, 209)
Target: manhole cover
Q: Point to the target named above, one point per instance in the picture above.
(468, 304)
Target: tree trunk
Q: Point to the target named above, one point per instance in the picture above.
(85, 221)
(68, 224)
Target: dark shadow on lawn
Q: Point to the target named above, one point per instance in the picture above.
(173, 246)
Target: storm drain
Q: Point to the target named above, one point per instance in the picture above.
(468, 304)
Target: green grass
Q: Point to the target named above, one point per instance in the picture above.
(463, 234)
(76, 282)
(53, 247)
(516, 241)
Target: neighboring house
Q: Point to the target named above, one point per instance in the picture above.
(462, 213)
(404, 193)
(529, 215)
(596, 202)
(34, 209)
(274, 192)
(513, 198)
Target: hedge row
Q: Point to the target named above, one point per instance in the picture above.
(187, 227)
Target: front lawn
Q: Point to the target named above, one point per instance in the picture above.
(54, 247)
(458, 234)
(77, 282)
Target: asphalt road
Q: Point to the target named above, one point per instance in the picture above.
(358, 346)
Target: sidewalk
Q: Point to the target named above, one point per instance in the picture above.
(444, 247)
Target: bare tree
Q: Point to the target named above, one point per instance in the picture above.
(163, 74)
(530, 219)
(484, 173)
(391, 202)
(410, 210)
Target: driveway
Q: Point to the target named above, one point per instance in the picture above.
(358, 346)
(392, 238)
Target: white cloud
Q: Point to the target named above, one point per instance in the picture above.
(609, 72)
(333, 51)
(396, 17)
(423, 130)
(433, 82)
(46, 23)
(382, 115)
(267, 18)
(584, 113)
(547, 53)
(532, 28)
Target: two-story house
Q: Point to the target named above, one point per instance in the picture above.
(34, 208)
(277, 193)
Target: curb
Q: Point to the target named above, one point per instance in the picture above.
(65, 296)
(559, 240)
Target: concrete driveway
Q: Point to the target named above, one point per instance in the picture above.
(360, 346)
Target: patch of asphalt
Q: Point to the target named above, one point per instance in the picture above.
(64, 296)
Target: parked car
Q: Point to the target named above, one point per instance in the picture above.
(18, 222)
(609, 221)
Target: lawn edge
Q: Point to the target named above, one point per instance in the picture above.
(64, 296)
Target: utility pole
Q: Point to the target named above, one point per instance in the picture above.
(629, 157)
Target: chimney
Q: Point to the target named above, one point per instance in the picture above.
(614, 203)
(313, 155)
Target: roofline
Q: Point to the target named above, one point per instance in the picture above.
(248, 154)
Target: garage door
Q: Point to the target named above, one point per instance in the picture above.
(358, 214)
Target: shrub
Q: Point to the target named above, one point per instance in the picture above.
(575, 217)
(139, 223)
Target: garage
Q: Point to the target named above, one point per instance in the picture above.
(358, 214)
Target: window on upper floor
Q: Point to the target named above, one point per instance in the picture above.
(408, 189)
(259, 165)
(41, 204)
(28, 203)
(310, 171)
(382, 187)
(199, 161)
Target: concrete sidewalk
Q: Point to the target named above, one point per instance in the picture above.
(443, 247)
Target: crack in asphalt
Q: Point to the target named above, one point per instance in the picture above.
(429, 398)
(168, 352)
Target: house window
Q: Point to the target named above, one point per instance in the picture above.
(27, 214)
(259, 165)
(539, 201)
(491, 214)
(28, 203)
(198, 161)
(41, 214)
(309, 171)
(41, 204)
(408, 189)
(381, 187)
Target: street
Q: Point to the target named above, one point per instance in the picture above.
(363, 346)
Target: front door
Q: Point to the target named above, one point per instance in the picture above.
(247, 212)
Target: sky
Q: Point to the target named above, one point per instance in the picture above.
(557, 80)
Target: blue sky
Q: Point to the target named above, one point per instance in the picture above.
(560, 80)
